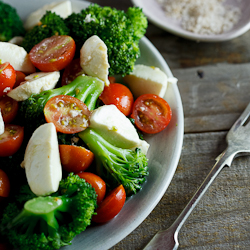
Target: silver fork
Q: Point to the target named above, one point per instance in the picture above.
(238, 141)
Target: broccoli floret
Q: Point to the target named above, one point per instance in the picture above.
(85, 88)
(120, 32)
(50, 24)
(117, 165)
(10, 23)
(50, 222)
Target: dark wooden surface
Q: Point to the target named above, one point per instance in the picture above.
(211, 105)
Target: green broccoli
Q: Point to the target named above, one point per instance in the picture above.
(50, 222)
(117, 165)
(10, 23)
(85, 88)
(50, 24)
(120, 32)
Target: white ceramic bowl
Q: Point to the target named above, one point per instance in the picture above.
(156, 15)
(164, 154)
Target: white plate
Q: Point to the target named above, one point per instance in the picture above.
(156, 15)
(164, 155)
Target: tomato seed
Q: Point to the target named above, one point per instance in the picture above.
(60, 104)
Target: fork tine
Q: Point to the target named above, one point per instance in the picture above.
(242, 119)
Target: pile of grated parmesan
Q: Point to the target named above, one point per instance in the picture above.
(204, 17)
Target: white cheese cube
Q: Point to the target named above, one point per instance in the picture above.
(114, 127)
(42, 161)
(63, 9)
(17, 57)
(147, 80)
(1, 124)
(16, 40)
(143, 146)
(35, 84)
(94, 58)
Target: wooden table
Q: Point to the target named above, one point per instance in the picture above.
(212, 101)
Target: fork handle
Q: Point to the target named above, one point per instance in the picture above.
(225, 158)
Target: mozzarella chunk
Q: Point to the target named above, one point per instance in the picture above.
(16, 40)
(42, 161)
(17, 57)
(147, 80)
(35, 84)
(114, 127)
(1, 124)
(94, 58)
(143, 146)
(63, 9)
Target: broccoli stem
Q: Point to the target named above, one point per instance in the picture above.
(118, 165)
(38, 209)
(85, 88)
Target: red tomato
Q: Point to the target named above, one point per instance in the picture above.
(97, 183)
(4, 184)
(9, 108)
(151, 113)
(11, 140)
(73, 70)
(53, 53)
(7, 78)
(74, 158)
(112, 79)
(110, 206)
(69, 114)
(119, 95)
(19, 78)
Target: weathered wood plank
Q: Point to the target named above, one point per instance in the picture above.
(214, 101)
(221, 219)
(183, 53)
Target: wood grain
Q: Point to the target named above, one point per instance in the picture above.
(214, 101)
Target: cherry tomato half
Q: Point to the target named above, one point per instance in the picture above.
(11, 140)
(97, 183)
(111, 205)
(73, 70)
(151, 113)
(7, 78)
(4, 184)
(53, 53)
(119, 95)
(74, 158)
(9, 108)
(69, 114)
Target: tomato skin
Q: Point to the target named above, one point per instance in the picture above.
(7, 77)
(4, 184)
(11, 140)
(20, 77)
(152, 113)
(73, 70)
(119, 95)
(9, 108)
(75, 158)
(97, 183)
(110, 206)
(112, 79)
(53, 53)
(59, 110)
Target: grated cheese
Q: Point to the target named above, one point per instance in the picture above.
(204, 17)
